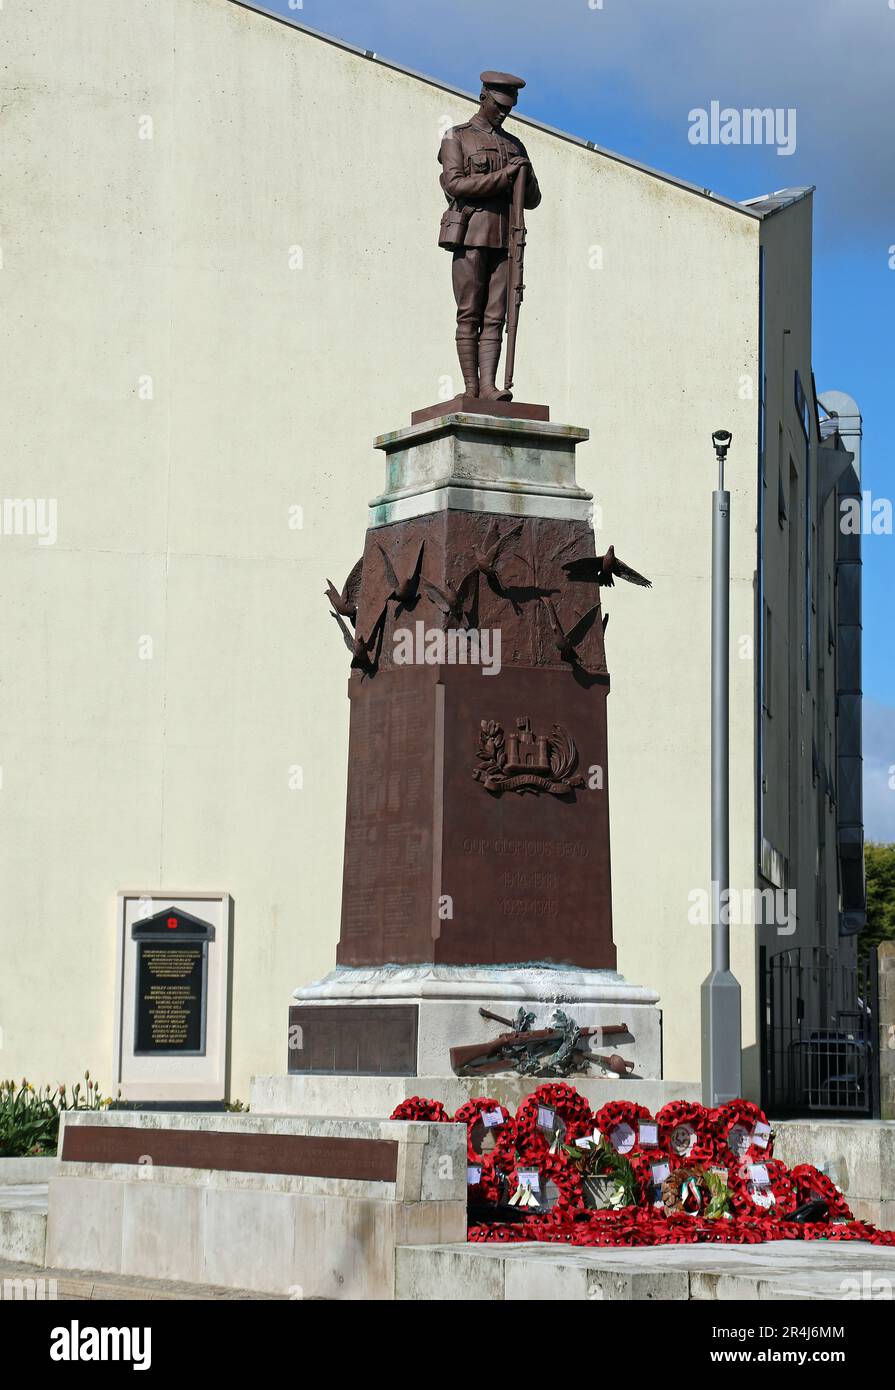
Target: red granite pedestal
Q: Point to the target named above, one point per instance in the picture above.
(477, 855)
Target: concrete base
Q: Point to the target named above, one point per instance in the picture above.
(448, 999)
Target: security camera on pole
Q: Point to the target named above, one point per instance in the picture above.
(721, 1041)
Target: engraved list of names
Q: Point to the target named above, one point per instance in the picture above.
(170, 989)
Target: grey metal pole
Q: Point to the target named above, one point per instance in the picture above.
(721, 1010)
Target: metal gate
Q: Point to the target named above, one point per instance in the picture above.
(820, 1022)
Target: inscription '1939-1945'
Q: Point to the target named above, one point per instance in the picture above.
(548, 849)
(529, 907)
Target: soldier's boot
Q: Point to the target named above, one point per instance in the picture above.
(468, 353)
(489, 356)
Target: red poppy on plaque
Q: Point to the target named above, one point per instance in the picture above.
(685, 1132)
(628, 1127)
(742, 1132)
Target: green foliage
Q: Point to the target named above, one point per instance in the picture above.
(29, 1118)
(719, 1196)
(879, 864)
(601, 1160)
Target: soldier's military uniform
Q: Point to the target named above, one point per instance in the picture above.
(477, 178)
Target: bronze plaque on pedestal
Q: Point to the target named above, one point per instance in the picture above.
(353, 1039)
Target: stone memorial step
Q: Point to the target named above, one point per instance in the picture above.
(778, 1270)
(23, 1221)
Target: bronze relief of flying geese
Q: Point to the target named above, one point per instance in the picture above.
(604, 570)
(346, 601)
(567, 642)
(453, 602)
(489, 552)
(361, 647)
(404, 591)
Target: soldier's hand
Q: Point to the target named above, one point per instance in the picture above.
(516, 163)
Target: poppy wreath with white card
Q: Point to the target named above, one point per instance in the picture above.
(651, 1168)
(487, 1188)
(761, 1188)
(537, 1134)
(627, 1126)
(482, 1116)
(685, 1133)
(527, 1183)
(742, 1132)
(567, 1180)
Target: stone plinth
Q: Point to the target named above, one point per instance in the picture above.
(475, 405)
(477, 861)
(481, 463)
(403, 1021)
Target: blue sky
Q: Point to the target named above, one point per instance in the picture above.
(626, 73)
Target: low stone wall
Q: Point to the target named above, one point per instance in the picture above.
(307, 1208)
(859, 1155)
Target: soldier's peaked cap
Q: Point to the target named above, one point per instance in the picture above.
(503, 85)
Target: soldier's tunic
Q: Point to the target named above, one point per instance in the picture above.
(474, 159)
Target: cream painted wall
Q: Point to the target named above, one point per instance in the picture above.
(168, 258)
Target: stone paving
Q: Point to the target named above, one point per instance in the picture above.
(829, 1270)
(18, 1281)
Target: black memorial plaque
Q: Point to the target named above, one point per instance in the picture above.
(172, 982)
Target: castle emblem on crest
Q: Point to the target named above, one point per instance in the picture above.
(524, 761)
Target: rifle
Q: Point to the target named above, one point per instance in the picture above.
(486, 1059)
(515, 285)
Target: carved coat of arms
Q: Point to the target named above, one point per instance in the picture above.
(524, 761)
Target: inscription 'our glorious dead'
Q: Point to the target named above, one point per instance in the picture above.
(548, 849)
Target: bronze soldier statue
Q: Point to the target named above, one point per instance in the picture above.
(480, 163)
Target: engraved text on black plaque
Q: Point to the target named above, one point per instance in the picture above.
(172, 979)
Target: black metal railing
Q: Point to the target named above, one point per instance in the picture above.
(820, 1026)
